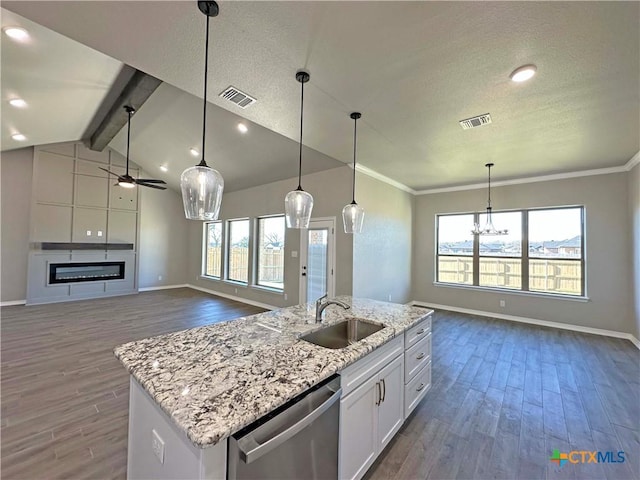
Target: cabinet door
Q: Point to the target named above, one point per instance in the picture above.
(358, 430)
(391, 409)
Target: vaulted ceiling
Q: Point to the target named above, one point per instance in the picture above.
(414, 69)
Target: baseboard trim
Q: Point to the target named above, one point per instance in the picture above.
(162, 287)
(233, 297)
(533, 321)
(13, 302)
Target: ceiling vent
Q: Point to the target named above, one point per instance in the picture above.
(474, 122)
(236, 96)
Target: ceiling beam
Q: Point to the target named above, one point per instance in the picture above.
(132, 87)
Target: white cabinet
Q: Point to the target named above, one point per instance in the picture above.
(417, 370)
(369, 418)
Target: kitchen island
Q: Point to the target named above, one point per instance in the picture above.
(206, 383)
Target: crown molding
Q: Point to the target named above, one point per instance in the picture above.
(635, 160)
(520, 181)
(378, 176)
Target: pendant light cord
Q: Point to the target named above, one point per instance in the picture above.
(355, 136)
(301, 118)
(204, 108)
(128, 138)
(489, 204)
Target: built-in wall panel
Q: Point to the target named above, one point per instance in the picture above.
(92, 191)
(51, 223)
(122, 226)
(89, 225)
(75, 201)
(54, 178)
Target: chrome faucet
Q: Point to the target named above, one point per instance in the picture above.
(321, 306)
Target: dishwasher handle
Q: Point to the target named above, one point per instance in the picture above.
(250, 449)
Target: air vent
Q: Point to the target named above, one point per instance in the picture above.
(474, 122)
(236, 96)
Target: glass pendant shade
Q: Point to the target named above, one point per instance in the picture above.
(202, 188)
(353, 218)
(297, 208)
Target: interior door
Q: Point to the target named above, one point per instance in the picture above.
(317, 260)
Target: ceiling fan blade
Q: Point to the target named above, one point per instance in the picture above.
(115, 174)
(150, 180)
(151, 186)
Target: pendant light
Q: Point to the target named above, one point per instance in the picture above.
(201, 185)
(488, 228)
(298, 203)
(353, 214)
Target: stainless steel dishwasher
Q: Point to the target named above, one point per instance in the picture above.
(297, 441)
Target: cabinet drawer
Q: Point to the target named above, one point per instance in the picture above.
(416, 389)
(417, 332)
(417, 357)
(356, 373)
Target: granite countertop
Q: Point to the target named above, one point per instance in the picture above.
(215, 380)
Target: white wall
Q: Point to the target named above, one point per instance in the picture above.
(608, 237)
(164, 238)
(331, 191)
(16, 172)
(634, 211)
(382, 262)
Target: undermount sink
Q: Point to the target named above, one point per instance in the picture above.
(343, 334)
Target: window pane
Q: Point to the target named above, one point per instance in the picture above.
(213, 259)
(555, 233)
(238, 251)
(555, 276)
(271, 252)
(454, 234)
(455, 269)
(509, 245)
(501, 272)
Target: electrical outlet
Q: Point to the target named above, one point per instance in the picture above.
(157, 444)
(503, 303)
(285, 297)
(294, 254)
(160, 277)
(88, 233)
(236, 291)
(389, 297)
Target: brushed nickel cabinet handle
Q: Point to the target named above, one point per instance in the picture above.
(422, 385)
(384, 390)
(379, 392)
(420, 332)
(420, 357)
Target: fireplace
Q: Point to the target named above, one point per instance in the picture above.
(85, 272)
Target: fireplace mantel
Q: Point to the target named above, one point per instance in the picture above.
(82, 246)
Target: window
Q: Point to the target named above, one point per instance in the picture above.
(455, 249)
(555, 251)
(543, 252)
(270, 253)
(213, 249)
(238, 250)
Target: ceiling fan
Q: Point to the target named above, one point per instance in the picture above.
(126, 180)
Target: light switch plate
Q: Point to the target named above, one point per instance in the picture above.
(157, 444)
(294, 253)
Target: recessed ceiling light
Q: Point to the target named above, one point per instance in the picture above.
(194, 151)
(164, 168)
(16, 33)
(523, 73)
(17, 102)
(18, 137)
(243, 128)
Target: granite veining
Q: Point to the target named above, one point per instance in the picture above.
(214, 380)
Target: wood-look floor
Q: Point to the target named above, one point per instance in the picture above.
(504, 394)
(65, 396)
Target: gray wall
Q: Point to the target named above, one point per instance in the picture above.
(382, 252)
(164, 235)
(634, 211)
(16, 171)
(608, 237)
(330, 190)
